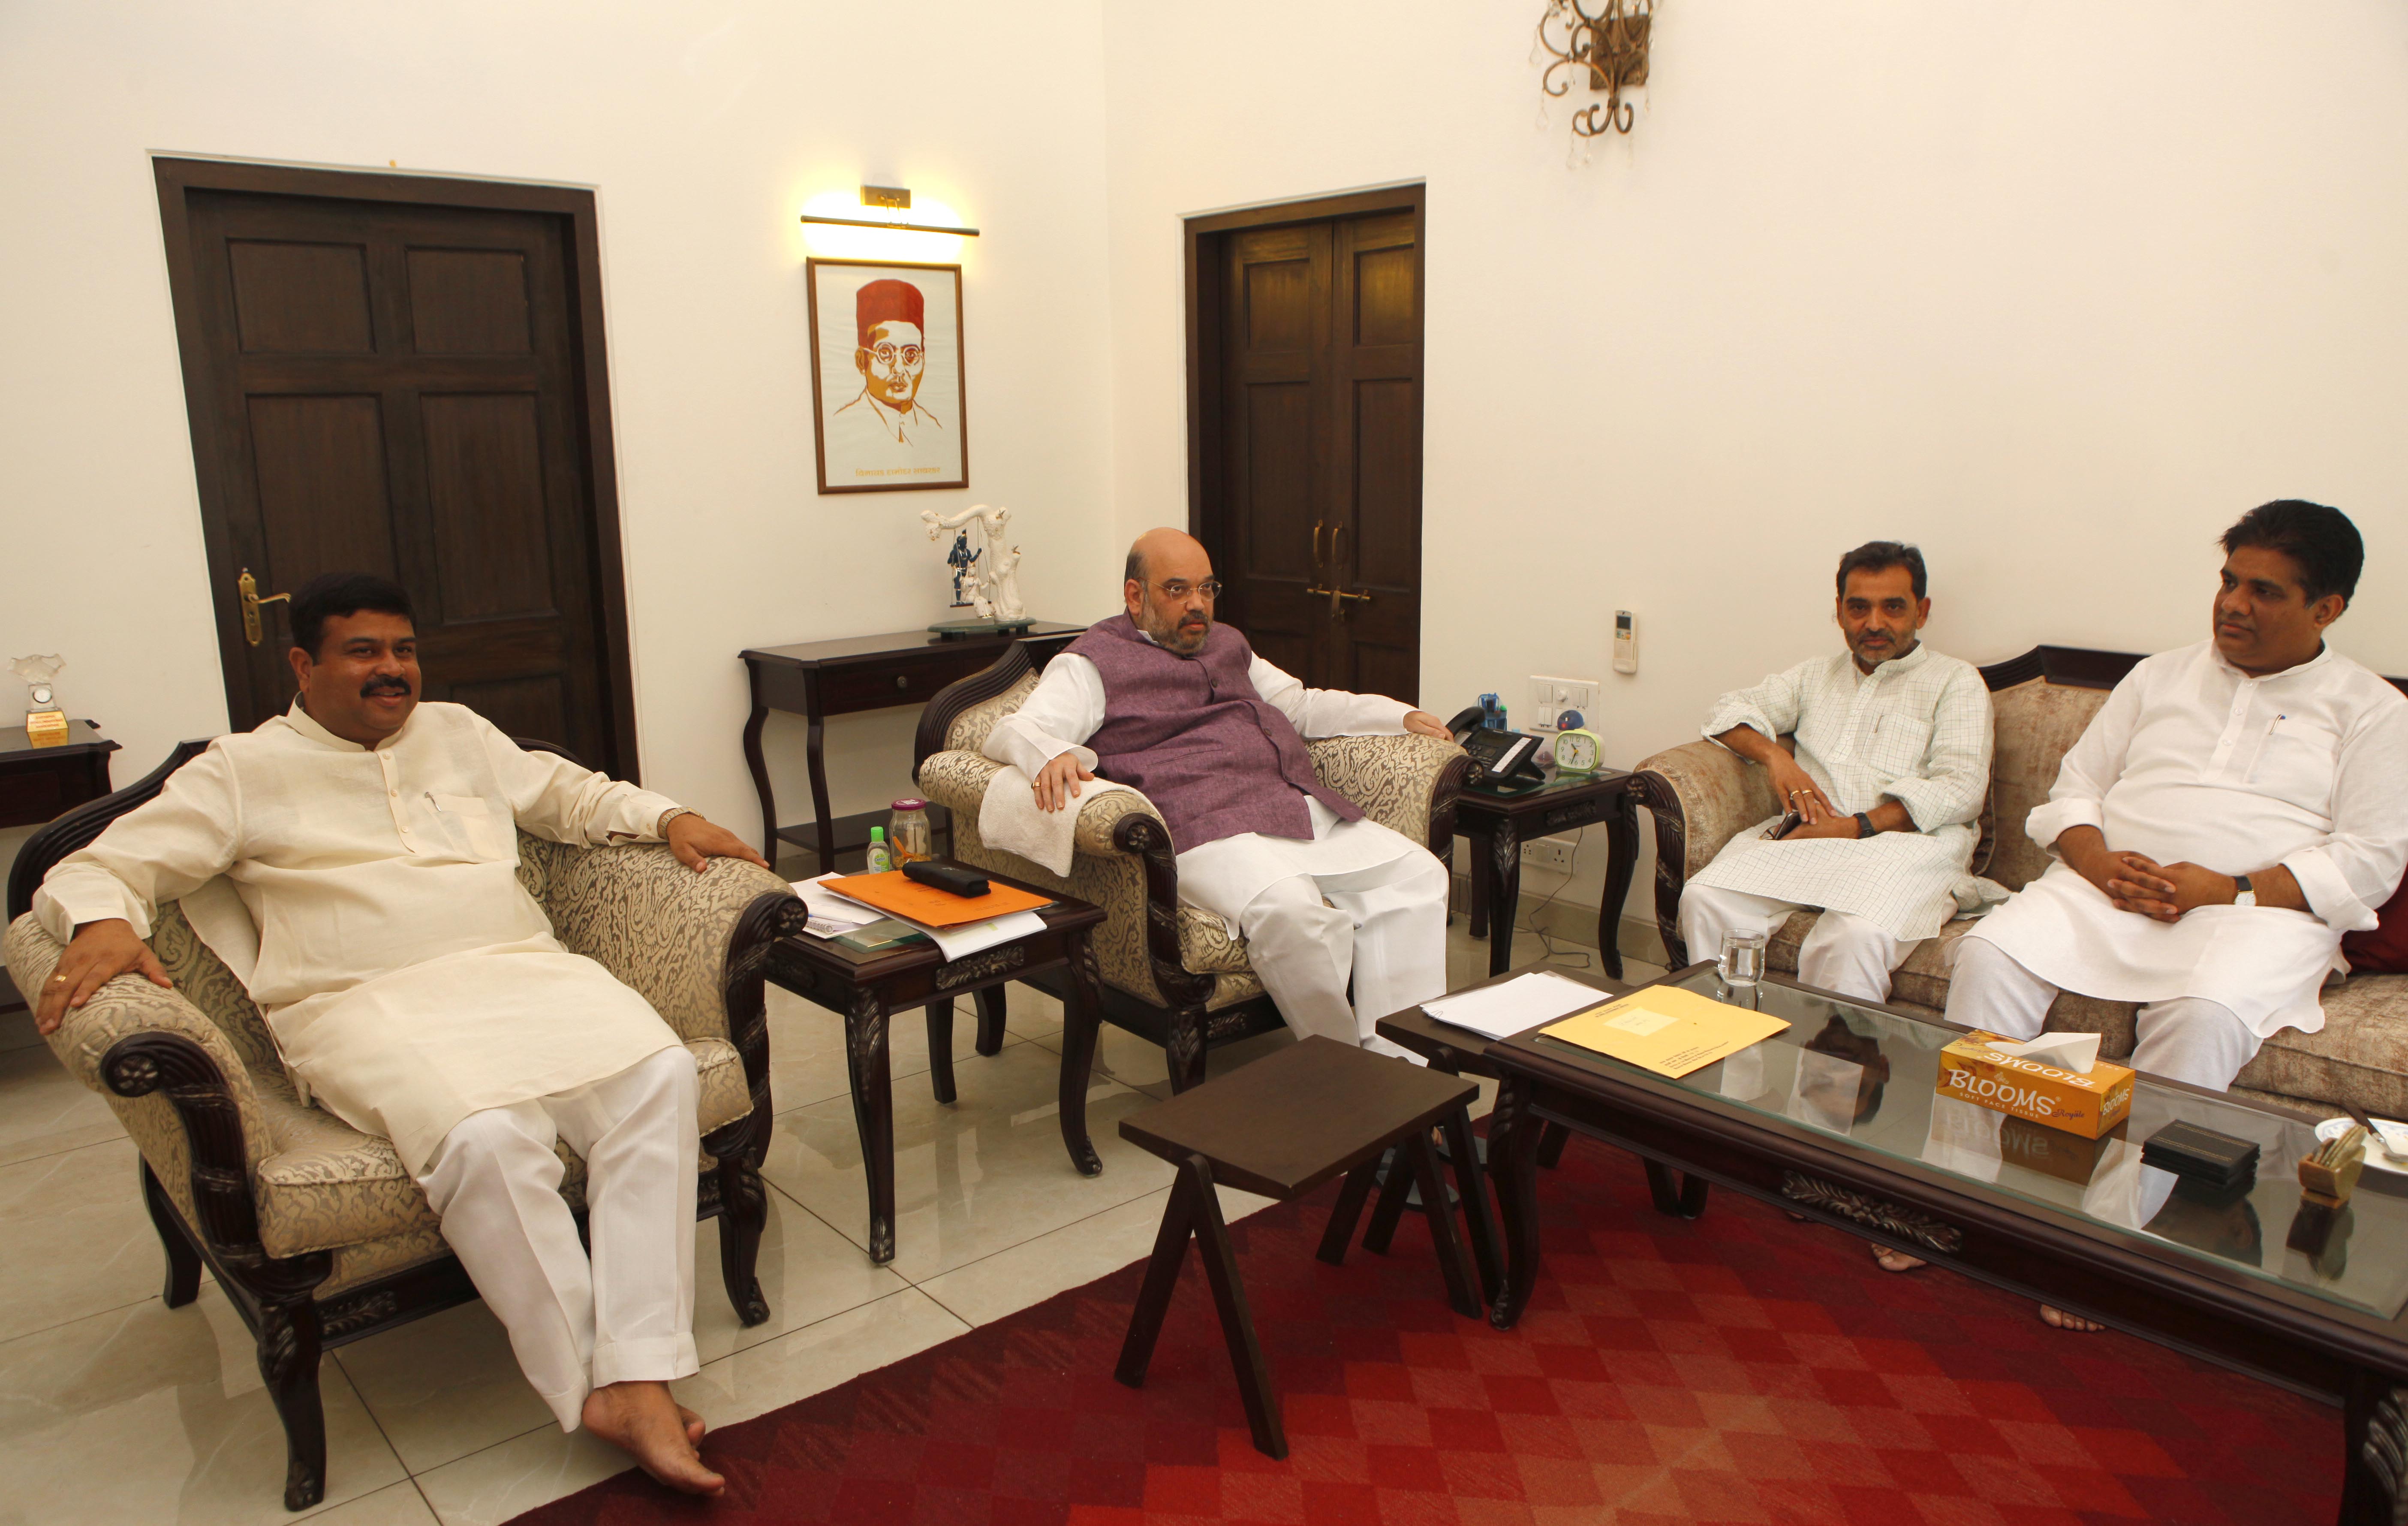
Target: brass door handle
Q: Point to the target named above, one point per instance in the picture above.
(248, 587)
(1316, 550)
(1336, 597)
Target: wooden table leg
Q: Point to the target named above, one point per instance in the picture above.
(1391, 1207)
(1462, 1290)
(1082, 1011)
(2374, 1457)
(940, 1049)
(1676, 1195)
(990, 1020)
(760, 767)
(815, 753)
(873, 1115)
(1504, 891)
(1195, 1208)
(1621, 862)
(1340, 1232)
(1471, 1184)
(1513, 1166)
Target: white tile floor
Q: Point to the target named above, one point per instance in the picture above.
(116, 1409)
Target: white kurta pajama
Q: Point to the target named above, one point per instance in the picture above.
(416, 989)
(1385, 926)
(2192, 760)
(1916, 729)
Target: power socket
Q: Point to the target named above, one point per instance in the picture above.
(1552, 697)
(1553, 853)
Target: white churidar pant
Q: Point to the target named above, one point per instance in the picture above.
(579, 1323)
(1845, 954)
(1385, 925)
(2188, 1037)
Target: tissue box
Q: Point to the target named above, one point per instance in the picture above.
(2048, 1095)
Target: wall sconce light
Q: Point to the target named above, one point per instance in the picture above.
(1612, 45)
(896, 198)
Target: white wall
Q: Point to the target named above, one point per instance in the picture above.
(703, 128)
(2053, 289)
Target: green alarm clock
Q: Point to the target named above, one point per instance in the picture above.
(1579, 750)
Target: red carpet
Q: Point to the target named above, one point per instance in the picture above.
(1741, 1368)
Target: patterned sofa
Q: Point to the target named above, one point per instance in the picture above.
(1172, 974)
(313, 1229)
(1702, 794)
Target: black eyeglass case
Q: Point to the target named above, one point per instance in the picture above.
(2201, 1155)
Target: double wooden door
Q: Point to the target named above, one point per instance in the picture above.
(1309, 447)
(406, 388)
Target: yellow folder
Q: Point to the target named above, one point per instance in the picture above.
(1666, 1029)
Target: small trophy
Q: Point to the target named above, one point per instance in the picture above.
(46, 723)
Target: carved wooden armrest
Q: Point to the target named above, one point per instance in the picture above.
(1702, 794)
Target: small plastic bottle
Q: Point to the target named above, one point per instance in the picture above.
(881, 861)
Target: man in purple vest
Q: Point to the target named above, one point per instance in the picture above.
(1167, 703)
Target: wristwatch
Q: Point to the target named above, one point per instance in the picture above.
(1865, 826)
(2242, 895)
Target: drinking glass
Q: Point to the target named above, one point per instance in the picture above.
(1742, 959)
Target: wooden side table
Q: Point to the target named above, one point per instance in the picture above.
(1498, 825)
(38, 782)
(867, 988)
(816, 680)
(1281, 1126)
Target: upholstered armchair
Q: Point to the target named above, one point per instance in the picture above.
(1172, 974)
(314, 1230)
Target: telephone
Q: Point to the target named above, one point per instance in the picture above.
(1502, 762)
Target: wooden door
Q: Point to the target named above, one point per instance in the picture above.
(400, 387)
(1307, 435)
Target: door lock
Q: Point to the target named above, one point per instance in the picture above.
(248, 587)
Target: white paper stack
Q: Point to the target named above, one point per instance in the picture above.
(1517, 1005)
(838, 912)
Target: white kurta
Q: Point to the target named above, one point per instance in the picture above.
(2193, 760)
(408, 978)
(1916, 729)
(1224, 876)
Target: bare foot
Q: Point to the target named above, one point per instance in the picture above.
(2058, 1320)
(1895, 1261)
(642, 1420)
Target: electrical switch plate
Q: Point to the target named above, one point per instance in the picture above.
(1553, 853)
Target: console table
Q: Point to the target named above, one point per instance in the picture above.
(38, 782)
(816, 680)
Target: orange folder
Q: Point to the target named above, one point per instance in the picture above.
(896, 894)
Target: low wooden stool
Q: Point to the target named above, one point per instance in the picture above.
(1281, 1126)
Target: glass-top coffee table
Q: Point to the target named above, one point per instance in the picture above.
(1838, 1119)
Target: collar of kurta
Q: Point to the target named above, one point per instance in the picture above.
(1894, 666)
(303, 722)
(2298, 670)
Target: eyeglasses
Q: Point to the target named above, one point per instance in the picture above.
(1178, 589)
(887, 354)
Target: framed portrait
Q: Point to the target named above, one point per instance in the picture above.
(886, 376)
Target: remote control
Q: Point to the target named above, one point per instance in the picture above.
(953, 877)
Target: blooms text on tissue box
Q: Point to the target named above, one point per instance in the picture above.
(2034, 1090)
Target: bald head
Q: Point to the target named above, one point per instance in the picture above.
(1163, 589)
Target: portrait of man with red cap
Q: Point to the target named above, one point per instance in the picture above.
(891, 318)
(885, 434)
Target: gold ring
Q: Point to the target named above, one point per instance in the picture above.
(58, 980)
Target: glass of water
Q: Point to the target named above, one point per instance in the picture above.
(1742, 959)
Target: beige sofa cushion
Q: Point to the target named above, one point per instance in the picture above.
(329, 1186)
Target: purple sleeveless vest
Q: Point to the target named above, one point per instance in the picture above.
(1192, 735)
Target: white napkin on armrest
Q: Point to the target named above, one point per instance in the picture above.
(1011, 819)
(2075, 1052)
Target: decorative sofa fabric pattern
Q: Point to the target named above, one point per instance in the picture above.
(314, 1229)
(1702, 794)
(1171, 974)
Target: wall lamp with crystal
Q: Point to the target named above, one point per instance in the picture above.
(890, 197)
(1610, 45)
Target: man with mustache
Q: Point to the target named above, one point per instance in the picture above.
(1162, 699)
(416, 989)
(2234, 808)
(1891, 762)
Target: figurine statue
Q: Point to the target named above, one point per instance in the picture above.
(985, 577)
